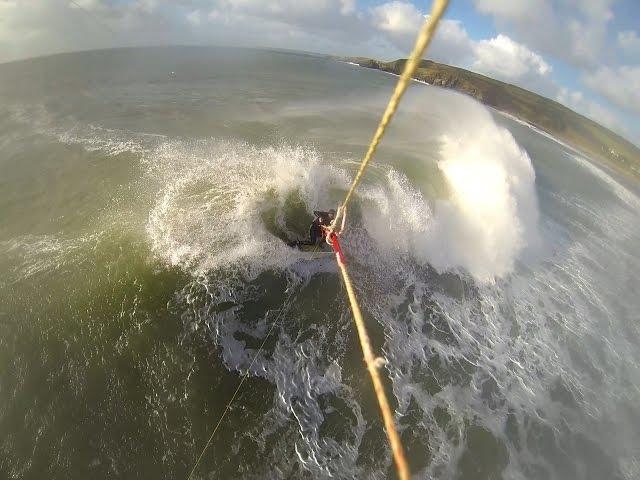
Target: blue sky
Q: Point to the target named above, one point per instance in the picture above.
(583, 53)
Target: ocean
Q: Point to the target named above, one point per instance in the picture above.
(146, 197)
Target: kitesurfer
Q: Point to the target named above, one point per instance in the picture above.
(321, 222)
(318, 228)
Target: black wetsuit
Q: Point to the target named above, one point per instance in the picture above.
(315, 230)
(316, 234)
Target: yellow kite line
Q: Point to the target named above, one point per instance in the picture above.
(422, 42)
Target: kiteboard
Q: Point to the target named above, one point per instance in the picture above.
(321, 250)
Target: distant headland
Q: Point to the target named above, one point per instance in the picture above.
(547, 115)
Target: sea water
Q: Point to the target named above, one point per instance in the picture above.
(144, 197)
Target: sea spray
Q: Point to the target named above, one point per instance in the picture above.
(141, 337)
(211, 212)
(489, 214)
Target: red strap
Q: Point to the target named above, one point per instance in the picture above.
(333, 238)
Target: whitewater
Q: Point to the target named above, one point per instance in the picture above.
(144, 261)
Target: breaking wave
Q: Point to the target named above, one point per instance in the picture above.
(220, 209)
(223, 201)
(498, 366)
(212, 209)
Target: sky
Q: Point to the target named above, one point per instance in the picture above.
(582, 53)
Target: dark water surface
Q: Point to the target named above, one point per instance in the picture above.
(143, 197)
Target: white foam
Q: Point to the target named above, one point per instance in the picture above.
(209, 211)
(515, 331)
(31, 256)
(539, 131)
(490, 214)
(504, 330)
(93, 138)
(623, 193)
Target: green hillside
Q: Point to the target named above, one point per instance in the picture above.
(552, 117)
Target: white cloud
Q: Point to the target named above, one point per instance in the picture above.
(507, 9)
(400, 22)
(45, 27)
(339, 17)
(501, 57)
(577, 32)
(588, 23)
(397, 18)
(195, 18)
(572, 30)
(316, 25)
(594, 9)
(342, 26)
(288, 9)
(347, 7)
(629, 43)
(451, 44)
(620, 85)
(38, 28)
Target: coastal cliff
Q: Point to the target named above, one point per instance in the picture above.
(547, 115)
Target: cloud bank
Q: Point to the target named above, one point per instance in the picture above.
(528, 34)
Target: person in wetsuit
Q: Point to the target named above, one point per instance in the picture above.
(322, 219)
(319, 228)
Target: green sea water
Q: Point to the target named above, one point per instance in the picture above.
(144, 198)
